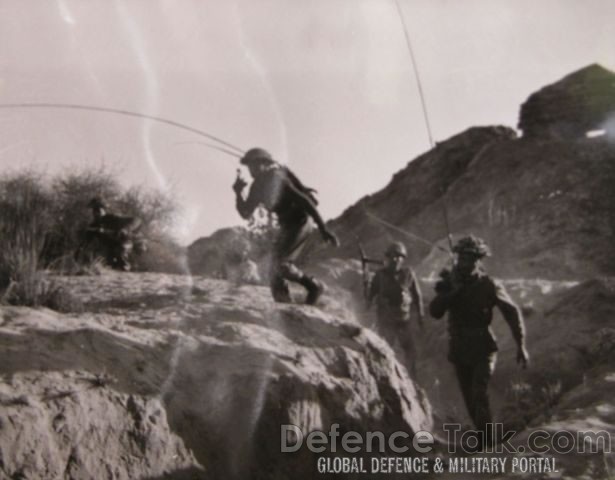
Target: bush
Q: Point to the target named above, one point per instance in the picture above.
(71, 194)
(24, 220)
(41, 224)
(22, 228)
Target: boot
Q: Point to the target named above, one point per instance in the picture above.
(280, 290)
(314, 287)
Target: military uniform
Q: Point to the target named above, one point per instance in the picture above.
(469, 300)
(394, 291)
(279, 191)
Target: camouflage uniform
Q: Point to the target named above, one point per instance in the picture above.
(394, 292)
(469, 298)
(279, 191)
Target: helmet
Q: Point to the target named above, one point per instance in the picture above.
(472, 246)
(396, 248)
(255, 156)
(96, 203)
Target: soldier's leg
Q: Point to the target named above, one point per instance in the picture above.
(277, 283)
(107, 248)
(464, 374)
(279, 289)
(481, 412)
(289, 247)
(289, 271)
(118, 256)
(408, 348)
(125, 250)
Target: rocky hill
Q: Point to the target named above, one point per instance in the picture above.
(187, 377)
(578, 103)
(177, 377)
(543, 202)
(545, 206)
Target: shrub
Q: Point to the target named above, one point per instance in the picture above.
(71, 194)
(41, 223)
(24, 221)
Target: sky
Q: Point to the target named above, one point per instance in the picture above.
(327, 86)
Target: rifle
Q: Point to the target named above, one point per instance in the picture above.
(449, 235)
(365, 261)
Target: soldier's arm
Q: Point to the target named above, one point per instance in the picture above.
(245, 207)
(513, 317)
(439, 305)
(444, 295)
(304, 201)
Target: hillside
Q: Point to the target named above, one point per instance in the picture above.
(544, 202)
(180, 377)
(546, 207)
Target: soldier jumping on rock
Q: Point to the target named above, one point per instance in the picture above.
(395, 290)
(469, 296)
(277, 189)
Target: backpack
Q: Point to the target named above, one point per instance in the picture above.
(299, 185)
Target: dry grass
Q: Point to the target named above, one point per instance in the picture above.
(23, 226)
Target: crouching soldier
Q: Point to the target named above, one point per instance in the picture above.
(395, 291)
(111, 234)
(469, 296)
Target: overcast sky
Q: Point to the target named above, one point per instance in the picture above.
(325, 85)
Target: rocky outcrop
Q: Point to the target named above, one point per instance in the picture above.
(235, 254)
(182, 375)
(569, 108)
(73, 425)
(544, 207)
(209, 256)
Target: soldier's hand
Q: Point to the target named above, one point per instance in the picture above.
(523, 357)
(445, 284)
(330, 237)
(239, 185)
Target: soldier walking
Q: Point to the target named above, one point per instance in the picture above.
(469, 296)
(395, 291)
(279, 191)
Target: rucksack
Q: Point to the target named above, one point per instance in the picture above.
(299, 185)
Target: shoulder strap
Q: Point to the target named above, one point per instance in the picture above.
(298, 184)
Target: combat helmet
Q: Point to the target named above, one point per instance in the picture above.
(256, 156)
(472, 245)
(97, 203)
(396, 248)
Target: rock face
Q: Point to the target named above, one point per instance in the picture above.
(179, 377)
(543, 202)
(569, 108)
(70, 425)
(209, 256)
(544, 207)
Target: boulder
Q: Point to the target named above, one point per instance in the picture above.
(580, 102)
(184, 374)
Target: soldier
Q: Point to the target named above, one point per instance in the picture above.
(277, 189)
(113, 233)
(469, 296)
(395, 290)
